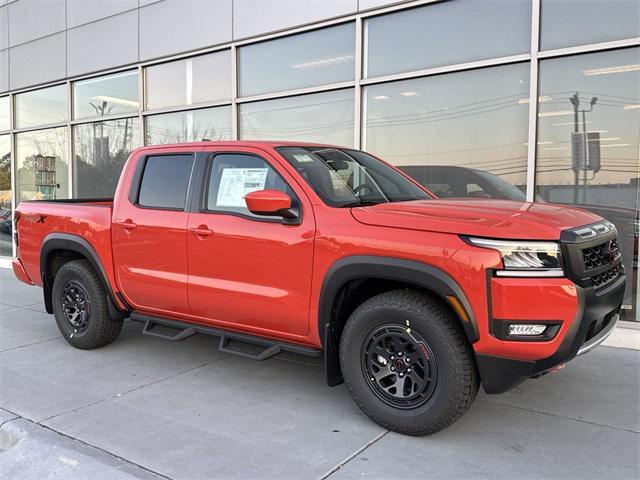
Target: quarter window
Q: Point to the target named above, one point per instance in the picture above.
(165, 181)
(235, 175)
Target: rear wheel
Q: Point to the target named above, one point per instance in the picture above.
(80, 307)
(407, 363)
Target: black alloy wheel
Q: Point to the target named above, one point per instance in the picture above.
(76, 305)
(400, 366)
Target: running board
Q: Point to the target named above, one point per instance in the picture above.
(150, 324)
(241, 344)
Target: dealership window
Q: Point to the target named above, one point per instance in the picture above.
(461, 134)
(100, 150)
(114, 94)
(189, 126)
(41, 107)
(567, 23)
(6, 249)
(589, 140)
(202, 79)
(307, 59)
(321, 117)
(42, 168)
(4, 113)
(446, 33)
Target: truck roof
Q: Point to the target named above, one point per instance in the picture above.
(238, 143)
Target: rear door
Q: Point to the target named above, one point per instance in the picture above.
(245, 270)
(149, 234)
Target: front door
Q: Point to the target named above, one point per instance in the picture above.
(248, 271)
(150, 235)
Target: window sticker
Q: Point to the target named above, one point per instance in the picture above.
(303, 158)
(235, 183)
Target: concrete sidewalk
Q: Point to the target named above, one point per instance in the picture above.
(149, 408)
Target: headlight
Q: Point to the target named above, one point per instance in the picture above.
(524, 259)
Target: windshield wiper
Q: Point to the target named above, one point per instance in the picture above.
(360, 203)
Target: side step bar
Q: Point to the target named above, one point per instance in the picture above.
(149, 325)
(242, 344)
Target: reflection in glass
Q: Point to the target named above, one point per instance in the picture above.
(567, 23)
(592, 103)
(42, 168)
(321, 117)
(446, 33)
(189, 126)
(304, 60)
(6, 249)
(4, 113)
(191, 81)
(100, 150)
(446, 128)
(41, 107)
(109, 95)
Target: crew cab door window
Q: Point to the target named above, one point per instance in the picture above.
(233, 176)
(165, 182)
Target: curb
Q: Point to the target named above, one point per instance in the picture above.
(625, 335)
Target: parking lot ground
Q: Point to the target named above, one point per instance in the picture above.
(143, 407)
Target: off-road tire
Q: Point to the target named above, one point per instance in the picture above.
(457, 377)
(100, 328)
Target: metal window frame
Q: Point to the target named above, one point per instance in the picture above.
(533, 102)
(358, 84)
(359, 74)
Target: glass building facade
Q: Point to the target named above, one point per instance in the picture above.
(520, 99)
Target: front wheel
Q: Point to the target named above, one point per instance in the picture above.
(407, 364)
(80, 307)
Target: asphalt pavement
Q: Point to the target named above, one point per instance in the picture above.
(148, 408)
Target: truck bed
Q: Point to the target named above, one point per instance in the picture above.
(89, 219)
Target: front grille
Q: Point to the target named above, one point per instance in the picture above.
(591, 262)
(600, 255)
(605, 277)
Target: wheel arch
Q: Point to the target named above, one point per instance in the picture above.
(381, 273)
(60, 248)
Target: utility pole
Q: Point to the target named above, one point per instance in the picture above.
(581, 166)
(575, 101)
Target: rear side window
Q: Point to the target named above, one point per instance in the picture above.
(165, 181)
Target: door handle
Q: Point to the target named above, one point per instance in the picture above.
(201, 231)
(127, 224)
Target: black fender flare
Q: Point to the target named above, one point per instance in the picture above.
(66, 241)
(387, 268)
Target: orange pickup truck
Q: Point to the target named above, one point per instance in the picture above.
(413, 301)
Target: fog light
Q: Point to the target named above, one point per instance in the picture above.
(526, 329)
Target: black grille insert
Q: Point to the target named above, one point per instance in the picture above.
(600, 255)
(605, 277)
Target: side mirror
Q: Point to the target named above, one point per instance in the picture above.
(270, 203)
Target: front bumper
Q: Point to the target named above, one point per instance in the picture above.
(597, 315)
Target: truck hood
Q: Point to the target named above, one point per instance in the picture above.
(483, 218)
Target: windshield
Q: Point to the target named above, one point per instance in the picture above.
(347, 178)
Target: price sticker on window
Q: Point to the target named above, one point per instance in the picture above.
(235, 183)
